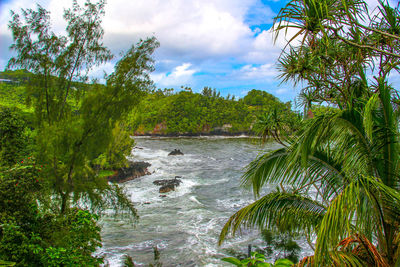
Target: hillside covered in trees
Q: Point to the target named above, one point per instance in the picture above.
(163, 112)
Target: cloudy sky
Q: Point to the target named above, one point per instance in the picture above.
(224, 44)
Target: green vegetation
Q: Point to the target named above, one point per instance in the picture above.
(337, 170)
(339, 175)
(280, 242)
(52, 117)
(258, 260)
(15, 96)
(15, 136)
(185, 112)
(31, 234)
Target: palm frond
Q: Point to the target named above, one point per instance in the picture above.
(278, 209)
(351, 212)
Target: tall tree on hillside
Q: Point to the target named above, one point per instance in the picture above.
(341, 171)
(74, 121)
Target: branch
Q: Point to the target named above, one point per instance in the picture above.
(364, 46)
(377, 31)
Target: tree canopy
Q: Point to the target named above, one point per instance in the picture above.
(49, 213)
(166, 113)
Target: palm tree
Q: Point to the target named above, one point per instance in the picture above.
(342, 170)
(270, 125)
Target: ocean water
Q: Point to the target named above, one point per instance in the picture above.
(185, 225)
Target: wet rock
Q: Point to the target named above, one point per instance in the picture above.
(134, 170)
(167, 185)
(175, 152)
(164, 182)
(166, 188)
(163, 195)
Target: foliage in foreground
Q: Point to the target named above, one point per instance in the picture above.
(49, 206)
(339, 175)
(257, 260)
(31, 234)
(15, 136)
(77, 123)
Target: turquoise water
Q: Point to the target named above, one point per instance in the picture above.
(186, 224)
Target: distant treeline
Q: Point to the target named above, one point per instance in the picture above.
(163, 112)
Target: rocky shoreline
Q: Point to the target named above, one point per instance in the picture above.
(133, 171)
(139, 168)
(197, 135)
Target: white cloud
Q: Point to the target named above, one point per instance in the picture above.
(194, 29)
(180, 75)
(99, 71)
(263, 49)
(262, 72)
(211, 35)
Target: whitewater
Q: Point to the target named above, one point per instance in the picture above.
(185, 224)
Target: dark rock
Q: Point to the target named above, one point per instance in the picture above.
(176, 152)
(163, 195)
(147, 203)
(134, 170)
(164, 182)
(178, 177)
(167, 185)
(166, 188)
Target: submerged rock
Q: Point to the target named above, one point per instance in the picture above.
(134, 170)
(175, 152)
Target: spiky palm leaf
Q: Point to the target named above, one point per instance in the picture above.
(278, 208)
(344, 162)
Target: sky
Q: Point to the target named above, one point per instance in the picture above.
(223, 44)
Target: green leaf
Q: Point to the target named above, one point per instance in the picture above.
(283, 263)
(370, 107)
(233, 261)
(7, 263)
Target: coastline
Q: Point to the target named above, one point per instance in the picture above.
(199, 136)
(211, 134)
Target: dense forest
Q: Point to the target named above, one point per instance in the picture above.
(186, 113)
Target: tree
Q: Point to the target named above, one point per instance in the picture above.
(341, 171)
(31, 235)
(75, 121)
(14, 139)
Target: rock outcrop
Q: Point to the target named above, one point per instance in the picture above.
(176, 152)
(134, 170)
(168, 185)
